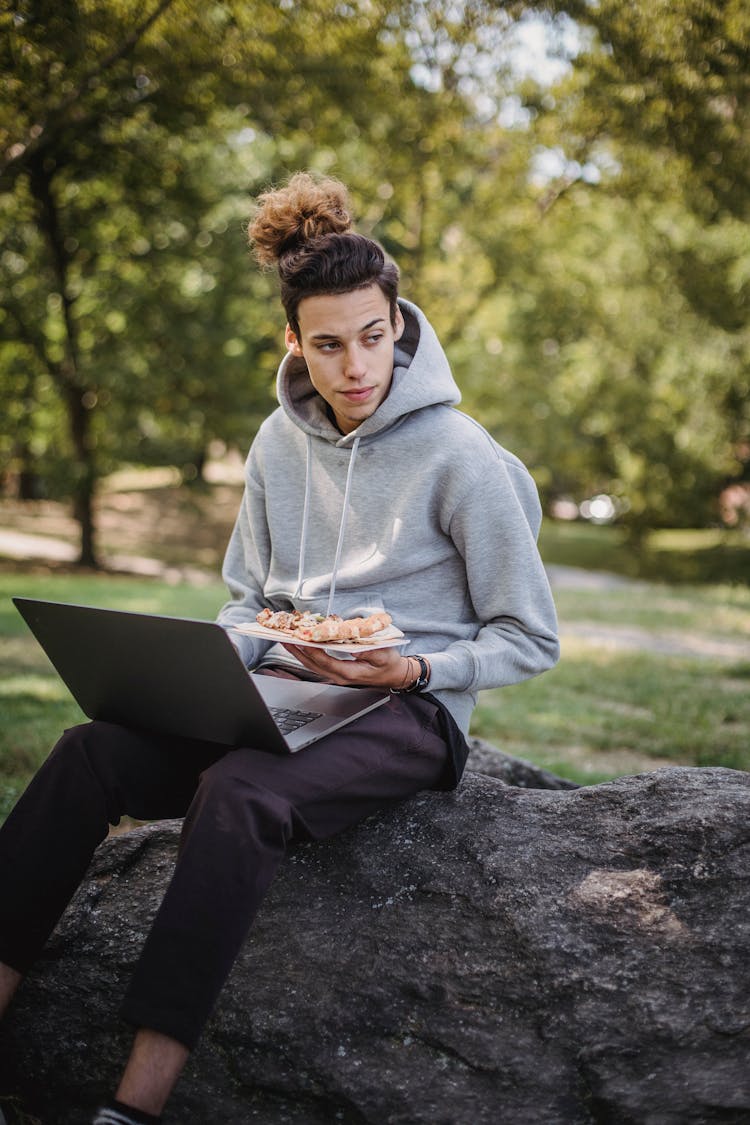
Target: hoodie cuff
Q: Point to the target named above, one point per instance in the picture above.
(452, 670)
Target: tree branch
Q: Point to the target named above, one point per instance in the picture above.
(555, 192)
(18, 155)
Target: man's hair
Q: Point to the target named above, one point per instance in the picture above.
(304, 229)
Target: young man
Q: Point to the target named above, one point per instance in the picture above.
(365, 491)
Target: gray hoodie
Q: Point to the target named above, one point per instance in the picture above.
(417, 511)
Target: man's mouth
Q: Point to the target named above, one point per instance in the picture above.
(359, 395)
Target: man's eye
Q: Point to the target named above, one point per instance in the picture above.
(330, 346)
(375, 338)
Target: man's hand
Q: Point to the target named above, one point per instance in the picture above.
(378, 667)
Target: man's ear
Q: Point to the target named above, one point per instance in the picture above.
(399, 326)
(292, 343)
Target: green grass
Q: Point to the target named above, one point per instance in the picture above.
(110, 591)
(702, 612)
(602, 712)
(607, 710)
(675, 555)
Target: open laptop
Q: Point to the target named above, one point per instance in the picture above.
(180, 676)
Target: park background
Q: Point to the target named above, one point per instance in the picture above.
(565, 188)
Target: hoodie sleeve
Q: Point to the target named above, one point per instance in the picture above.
(246, 564)
(495, 528)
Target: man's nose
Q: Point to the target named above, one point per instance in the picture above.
(354, 365)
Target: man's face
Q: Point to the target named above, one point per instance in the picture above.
(347, 342)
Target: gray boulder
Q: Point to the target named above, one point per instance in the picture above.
(494, 955)
(487, 759)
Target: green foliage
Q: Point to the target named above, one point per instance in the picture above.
(132, 144)
(594, 365)
(673, 80)
(659, 102)
(582, 249)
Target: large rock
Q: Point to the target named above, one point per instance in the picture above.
(488, 759)
(496, 955)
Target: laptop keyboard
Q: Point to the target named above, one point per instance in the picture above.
(288, 720)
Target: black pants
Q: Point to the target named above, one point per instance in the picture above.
(241, 807)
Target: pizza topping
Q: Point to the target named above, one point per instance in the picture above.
(287, 620)
(315, 627)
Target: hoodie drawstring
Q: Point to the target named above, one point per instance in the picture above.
(342, 525)
(305, 514)
(342, 522)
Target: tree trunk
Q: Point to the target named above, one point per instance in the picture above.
(67, 374)
(84, 487)
(30, 486)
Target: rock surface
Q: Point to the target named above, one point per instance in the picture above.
(496, 955)
(487, 759)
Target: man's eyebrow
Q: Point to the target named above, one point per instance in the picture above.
(334, 335)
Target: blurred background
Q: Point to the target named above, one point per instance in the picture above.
(565, 188)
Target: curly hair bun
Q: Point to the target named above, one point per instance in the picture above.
(289, 216)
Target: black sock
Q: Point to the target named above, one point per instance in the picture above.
(117, 1113)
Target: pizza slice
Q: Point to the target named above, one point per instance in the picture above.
(319, 629)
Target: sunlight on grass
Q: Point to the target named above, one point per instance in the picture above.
(42, 688)
(109, 592)
(676, 555)
(722, 611)
(690, 539)
(628, 706)
(34, 704)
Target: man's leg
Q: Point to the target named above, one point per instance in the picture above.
(154, 1066)
(249, 805)
(9, 982)
(96, 774)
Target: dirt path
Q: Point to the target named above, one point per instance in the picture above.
(27, 548)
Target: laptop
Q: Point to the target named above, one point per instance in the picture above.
(184, 677)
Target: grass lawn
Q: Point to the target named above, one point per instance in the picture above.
(615, 704)
(649, 675)
(675, 555)
(600, 714)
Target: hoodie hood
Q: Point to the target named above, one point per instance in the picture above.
(421, 377)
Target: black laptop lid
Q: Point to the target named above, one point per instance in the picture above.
(168, 674)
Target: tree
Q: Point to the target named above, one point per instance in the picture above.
(610, 342)
(662, 92)
(671, 79)
(597, 315)
(117, 130)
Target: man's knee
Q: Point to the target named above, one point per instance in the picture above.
(235, 792)
(95, 746)
(88, 756)
(77, 749)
